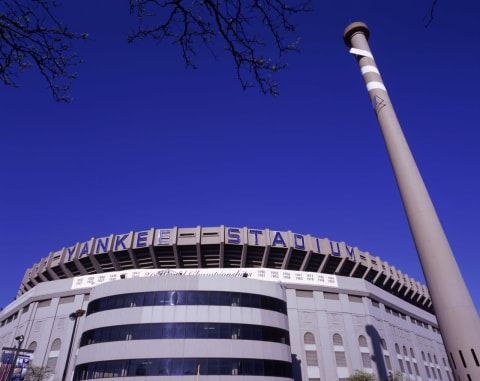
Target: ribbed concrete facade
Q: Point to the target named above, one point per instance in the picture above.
(283, 306)
(223, 247)
(211, 336)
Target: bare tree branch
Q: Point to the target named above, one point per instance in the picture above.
(429, 17)
(256, 34)
(249, 30)
(30, 35)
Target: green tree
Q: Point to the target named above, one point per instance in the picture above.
(398, 376)
(361, 376)
(37, 373)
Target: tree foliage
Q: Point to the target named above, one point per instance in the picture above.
(365, 376)
(37, 373)
(398, 376)
(361, 376)
(31, 35)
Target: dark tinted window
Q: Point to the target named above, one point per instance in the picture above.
(170, 298)
(185, 331)
(182, 366)
(149, 299)
(168, 331)
(192, 298)
(203, 298)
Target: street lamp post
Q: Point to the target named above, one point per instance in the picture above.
(456, 314)
(15, 357)
(73, 316)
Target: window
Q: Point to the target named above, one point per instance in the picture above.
(304, 293)
(57, 343)
(311, 358)
(428, 371)
(340, 359)
(190, 330)
(66, 299)
(386, 355)
(417, 371)
(397, 348)
(337, 339)
(310, 349)
(355, 299)
(32, 347)
(218, 298)
(383, 343)
(53, 355)
(331, 296)
(183, 366)
(409, 367)
(388, 363)
(364, 351)
(44, 303)
(362, 342)
(308, 338)
(366, 360)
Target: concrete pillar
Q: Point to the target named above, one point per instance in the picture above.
(456, 314)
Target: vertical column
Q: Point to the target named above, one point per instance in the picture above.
(456, 314)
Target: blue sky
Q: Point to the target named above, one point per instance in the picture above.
(147, 143)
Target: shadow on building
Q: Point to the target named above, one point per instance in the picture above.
(377, 357)
(296, 368)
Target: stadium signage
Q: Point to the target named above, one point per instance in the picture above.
(266, 274)
(278, 240)
(233, 236)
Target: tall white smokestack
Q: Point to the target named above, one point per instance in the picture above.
(456, 314)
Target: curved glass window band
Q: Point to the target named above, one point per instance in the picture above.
(190, 330)
(191, 297)
(154, 367)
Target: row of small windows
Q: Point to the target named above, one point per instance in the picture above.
(52, 355)
(9, 319)
(359, 299)
(40, 304)
(155, 367)
(194, 330)
(341, 360)
(394, 312)
(175, 298)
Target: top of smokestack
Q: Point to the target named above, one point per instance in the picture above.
(356, 27)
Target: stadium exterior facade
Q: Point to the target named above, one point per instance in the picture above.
(222, 303)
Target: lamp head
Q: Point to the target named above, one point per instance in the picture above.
(76, 314)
